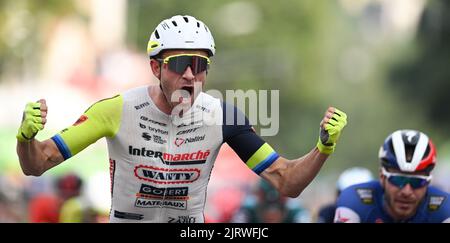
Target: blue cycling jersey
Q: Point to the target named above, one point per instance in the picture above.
(365, 203)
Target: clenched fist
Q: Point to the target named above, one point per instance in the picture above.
(33, 120)
(330, 129)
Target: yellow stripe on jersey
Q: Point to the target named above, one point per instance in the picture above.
(262, 158)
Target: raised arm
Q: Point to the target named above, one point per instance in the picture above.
(100, 120)
(291, 177)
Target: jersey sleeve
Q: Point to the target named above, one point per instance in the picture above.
(240, 136)
(102, 119)
(354, 203)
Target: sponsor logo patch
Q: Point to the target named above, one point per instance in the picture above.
(188, 131)
(140, 106)
(80, 120)
(154, 203)
(143, 118)
(166, 176)
(154, 130)
(435, 202)
(156, 138)
(180, 141)
(170, 192)
(366, 195)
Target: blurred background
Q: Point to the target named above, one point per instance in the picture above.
(385, 63)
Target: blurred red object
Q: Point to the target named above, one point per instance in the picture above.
(230, 180)
(44, 209)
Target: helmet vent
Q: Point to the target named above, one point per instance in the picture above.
(409, 152)
(156, 34)
(198, 25)
(186, 19)
(174, 23)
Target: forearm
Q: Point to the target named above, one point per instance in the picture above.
(291, 177)
(36, 157)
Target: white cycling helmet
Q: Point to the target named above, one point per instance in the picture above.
(401, 143)
(181, 32)
(353, 176)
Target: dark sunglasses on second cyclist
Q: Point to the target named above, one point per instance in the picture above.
(401, 180)
(179, 63)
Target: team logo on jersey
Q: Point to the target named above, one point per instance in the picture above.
(365, 194)
(80, 120)
(166, 176)
(435, 202)
(198, 157)
(144, 152)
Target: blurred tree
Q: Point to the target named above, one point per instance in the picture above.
(424, 80)
(23, 25)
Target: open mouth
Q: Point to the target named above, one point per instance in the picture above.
(189, 89)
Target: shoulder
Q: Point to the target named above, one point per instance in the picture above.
(136, 93)
(357, 200)
(438, 205)
(208, 105)
(232, 115)
(363, 193)
(107, 104)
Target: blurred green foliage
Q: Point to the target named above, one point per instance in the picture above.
(23, 27)
(423, 80)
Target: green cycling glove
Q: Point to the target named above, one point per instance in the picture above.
(31, 122)
(330, 131)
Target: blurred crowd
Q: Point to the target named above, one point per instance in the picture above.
(54, 199)
(68, 198)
